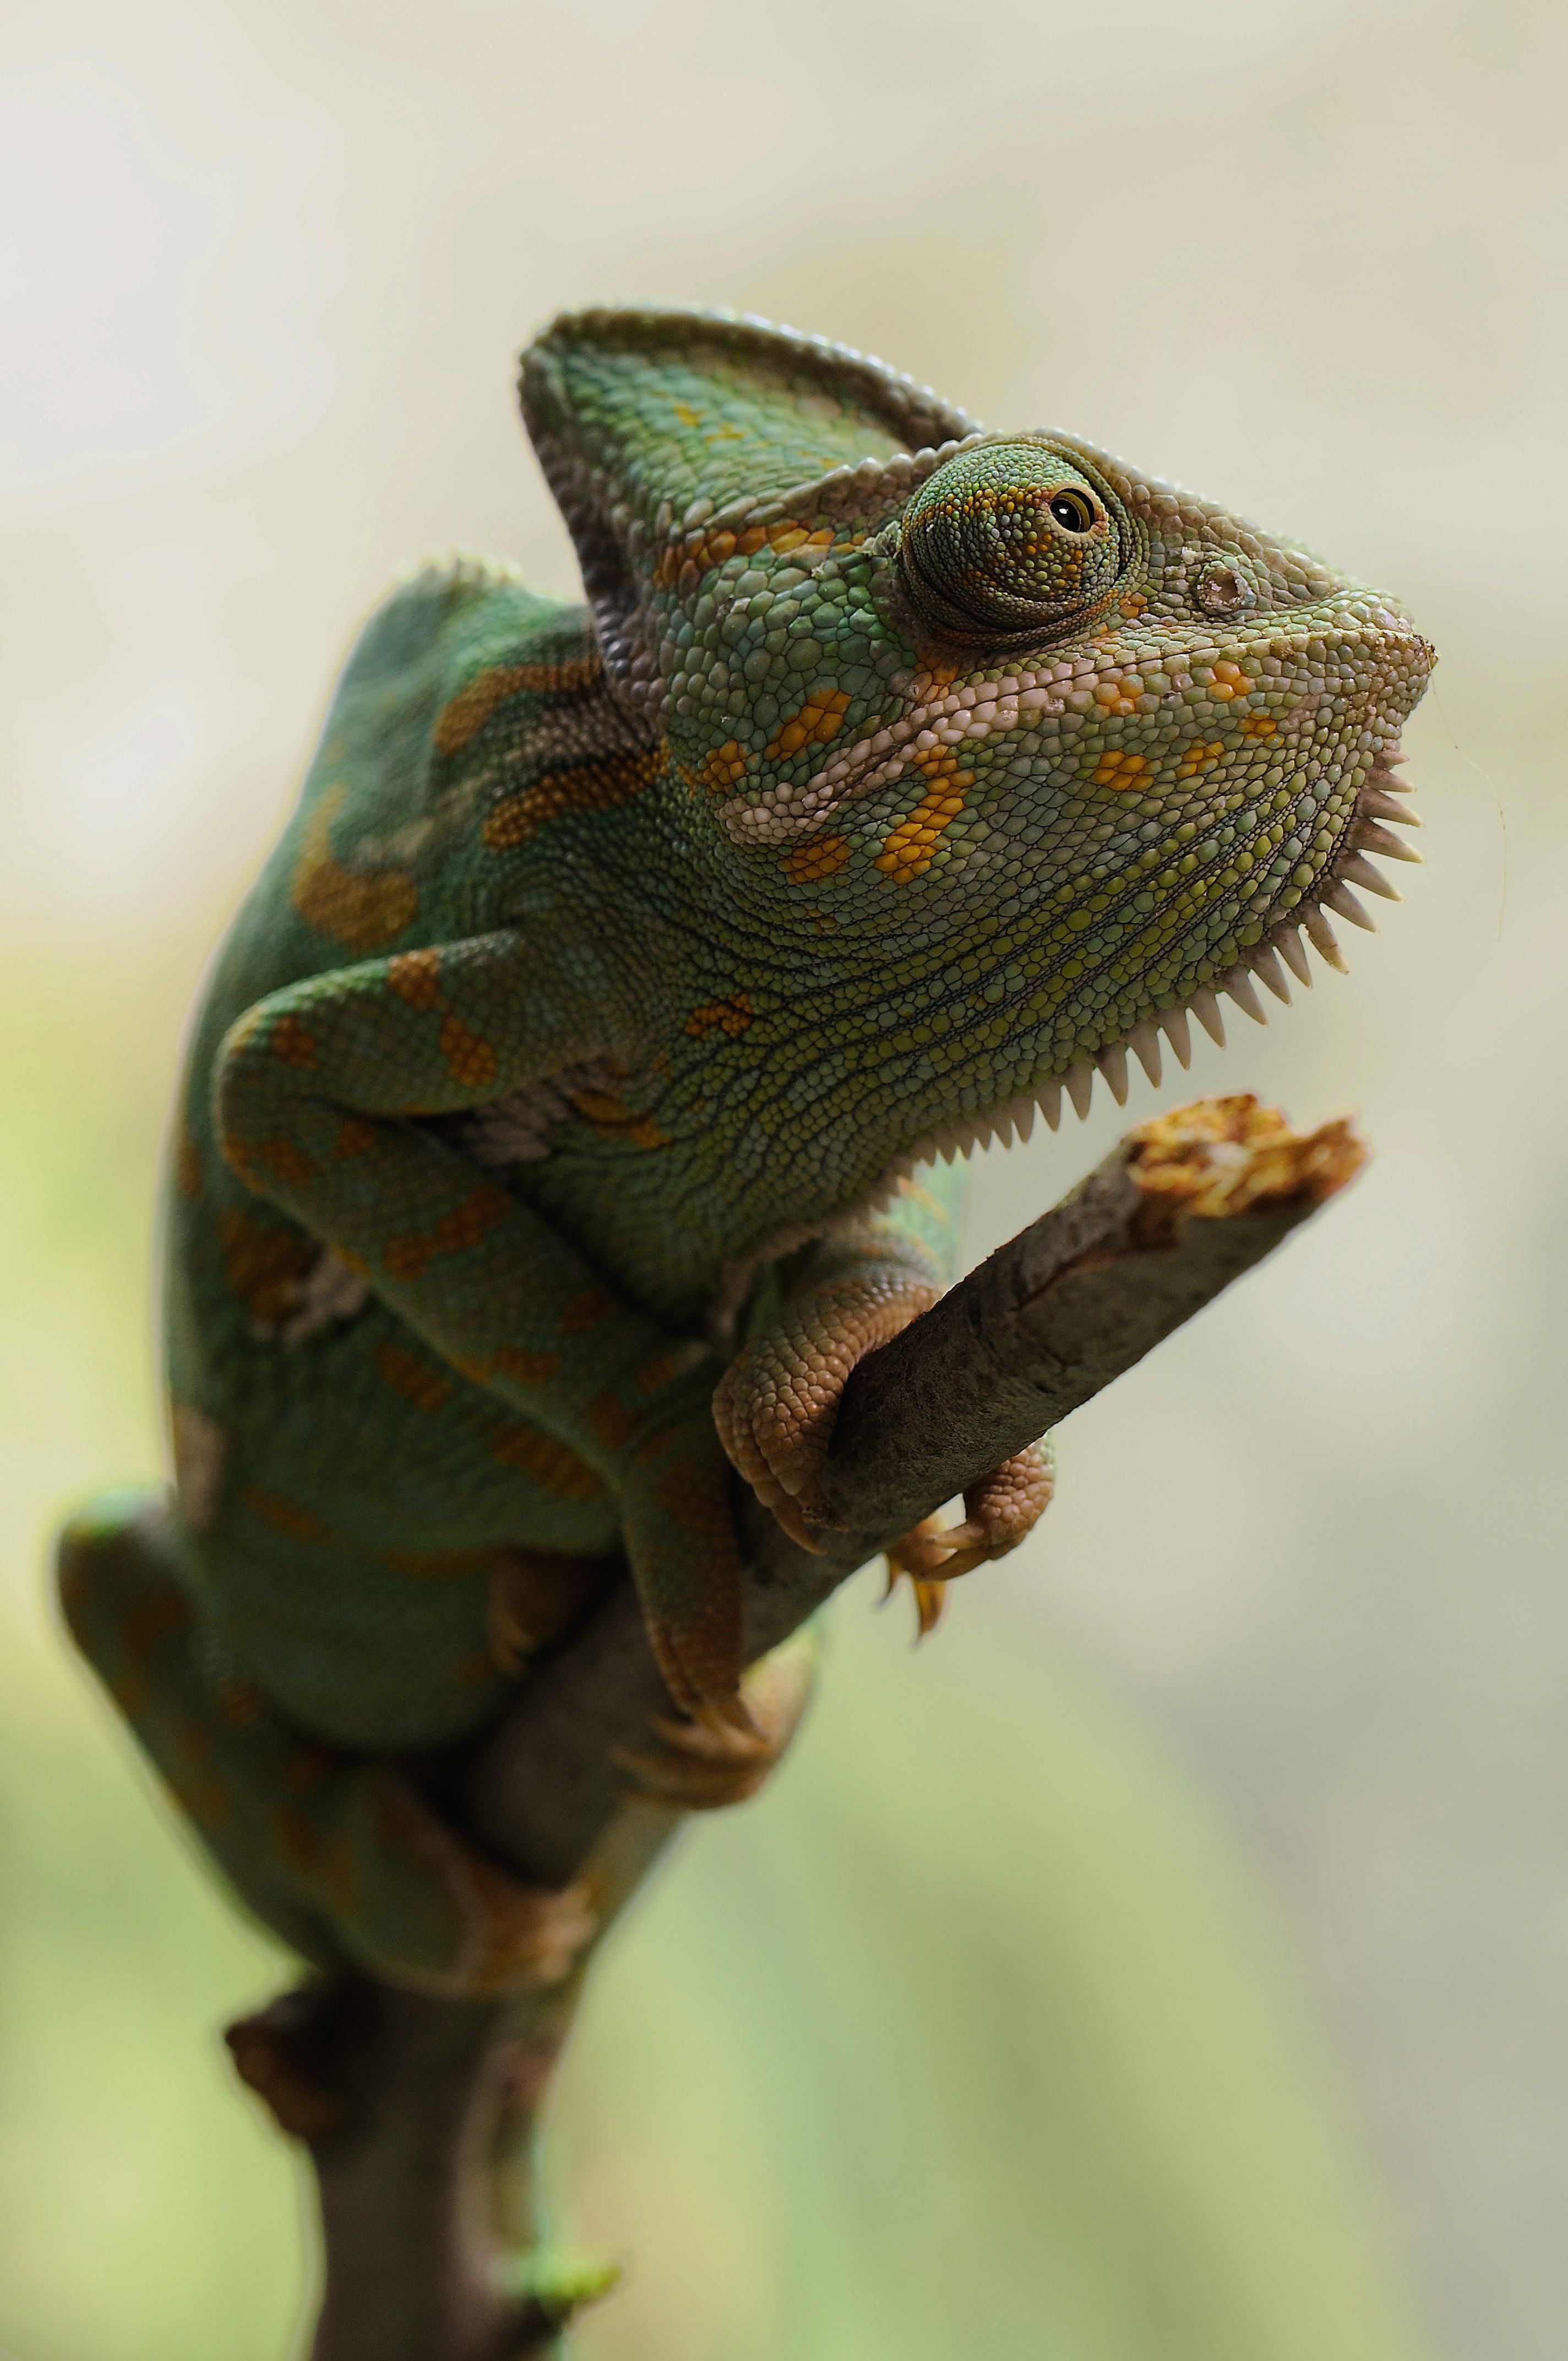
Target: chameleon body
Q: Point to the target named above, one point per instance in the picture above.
(565, 1099)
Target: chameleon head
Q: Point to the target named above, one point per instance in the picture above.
(990, 749)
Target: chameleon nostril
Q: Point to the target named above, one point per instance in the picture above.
(1222, 590)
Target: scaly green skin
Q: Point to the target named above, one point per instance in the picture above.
(892, 774)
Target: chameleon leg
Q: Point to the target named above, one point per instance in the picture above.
(703, 1766)
(680, 1538)
(339, 1854)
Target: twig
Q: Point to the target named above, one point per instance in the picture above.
(412, 2106)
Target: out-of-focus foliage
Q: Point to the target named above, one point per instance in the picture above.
(962, 2039)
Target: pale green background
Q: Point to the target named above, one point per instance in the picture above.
(958, 2042)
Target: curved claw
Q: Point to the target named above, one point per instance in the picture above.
(704, 1766)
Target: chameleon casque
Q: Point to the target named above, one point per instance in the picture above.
(564, 1112)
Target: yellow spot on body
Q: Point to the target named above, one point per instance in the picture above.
(818, 722)
(731, 1016)
(589, 787)
(1118, 692)
(461, 721)
(1199, 758)
(1133, 605)
(362, 907)
(824, 856)
(1229, 681)
(908, 851)
(724, 768)
(1259, 725)
(415, 1380)
(1122, 771)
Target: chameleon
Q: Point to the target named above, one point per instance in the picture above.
(584, 1087)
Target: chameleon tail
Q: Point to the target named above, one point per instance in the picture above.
(340, 1855)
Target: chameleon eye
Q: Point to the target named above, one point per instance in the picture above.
(1074, 511)
(1008, 542)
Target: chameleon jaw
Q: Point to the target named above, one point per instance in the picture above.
(1281, 948)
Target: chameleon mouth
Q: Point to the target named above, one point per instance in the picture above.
(1282, 949)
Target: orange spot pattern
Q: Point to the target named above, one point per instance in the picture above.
(1229, 681)
(287, 1163)
(611, 1421)
(549, 1463)
(187, 1167)
(731, 1016)
(612, 1119)
(263, 1264)
(1199, 758)
(293, 1043)
(590, 787)
(1259, 725)
(437, 1566)
(724, 768)
(465, 716)
(908, 851)
(415, 976)
(1118, 692)
(817, 722)
(408, 1257)
(415, 1380)
(355, 1137)
(285, 1516)
(362, 907)
(808, 864)
(584, 1311)
(526, 1368)
(472, 1058)
(699, 550)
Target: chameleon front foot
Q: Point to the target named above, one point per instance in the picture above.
(703, 1766)
(776, 1404)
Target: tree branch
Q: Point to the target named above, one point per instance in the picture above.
(406, 2102)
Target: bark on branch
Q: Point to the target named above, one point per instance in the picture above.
(419, 2112)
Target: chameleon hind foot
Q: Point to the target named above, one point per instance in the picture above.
(340, 1855)
(1000, 1511)
(704, 1766)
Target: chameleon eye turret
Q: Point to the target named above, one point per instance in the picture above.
(1008, 545)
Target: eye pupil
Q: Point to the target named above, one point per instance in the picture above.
(1073, 512)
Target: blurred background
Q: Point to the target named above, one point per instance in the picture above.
(1172, 1959)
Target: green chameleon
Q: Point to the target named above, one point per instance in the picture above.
(560, 1127)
